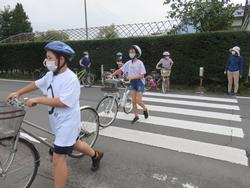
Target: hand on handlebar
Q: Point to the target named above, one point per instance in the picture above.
(12, 96)
(31, 102)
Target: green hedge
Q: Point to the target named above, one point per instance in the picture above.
(189, 52)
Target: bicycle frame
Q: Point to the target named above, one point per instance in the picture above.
(117, 97)
(81, 74)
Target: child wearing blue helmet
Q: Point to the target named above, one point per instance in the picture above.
(62, 88)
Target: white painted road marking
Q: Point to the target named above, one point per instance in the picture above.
(195, 97)
(191, 103)
(188, 125)
(223, 153)
(199, 113)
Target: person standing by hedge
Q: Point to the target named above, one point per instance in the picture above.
(165, 64)
(234, 70)
(134, 70)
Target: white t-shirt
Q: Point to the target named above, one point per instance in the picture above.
(134, 69)
(65, 121)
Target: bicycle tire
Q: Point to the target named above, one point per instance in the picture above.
(103, 112)
(16, 175)
(89, 122)
(128, 105)
(163, 85)
(90, 79)
(147, 82)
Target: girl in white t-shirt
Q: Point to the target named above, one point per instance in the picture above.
(134, 70)
(62, 88)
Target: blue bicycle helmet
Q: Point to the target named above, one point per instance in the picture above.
(60, 48)
(118, 54)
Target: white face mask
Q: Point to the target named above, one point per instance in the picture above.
(132, 55)
(50, 64)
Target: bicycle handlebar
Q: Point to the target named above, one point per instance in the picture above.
(18, 103)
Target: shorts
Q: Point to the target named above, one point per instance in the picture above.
(136, 85)
(165, 72)
(63, 150)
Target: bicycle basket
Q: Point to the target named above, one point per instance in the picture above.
(10, 120)
(111, 86)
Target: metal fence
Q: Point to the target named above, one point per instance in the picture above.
(95, 33)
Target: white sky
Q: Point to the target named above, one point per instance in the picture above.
(68, 14)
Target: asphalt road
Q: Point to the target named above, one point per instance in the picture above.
(189, 141)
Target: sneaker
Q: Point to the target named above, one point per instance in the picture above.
(96, 160)
(135, 120)
(145, 113)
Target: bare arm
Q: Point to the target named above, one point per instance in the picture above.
(158, 64)
(55, 102)
(117, 72)
(171, 64)
(29, 88)
(136, 77)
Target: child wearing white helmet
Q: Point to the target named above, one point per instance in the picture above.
(134, 70)
(165, 64)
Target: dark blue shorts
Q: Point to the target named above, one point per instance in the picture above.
(136, 85)
(63, 150)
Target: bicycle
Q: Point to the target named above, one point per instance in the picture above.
(19, 158)
(107, 75)
(87, 79)
(107, 108)
(152, 82)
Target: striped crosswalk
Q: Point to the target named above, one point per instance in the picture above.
(213, 116)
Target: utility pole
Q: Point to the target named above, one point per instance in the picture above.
(86, 20)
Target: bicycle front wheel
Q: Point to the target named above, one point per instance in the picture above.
(128, 105)
(24, 166)
(89, 128)
(107, 110)
(90, 80)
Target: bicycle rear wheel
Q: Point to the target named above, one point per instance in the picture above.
(89, 128)
(147, 82)
(90, 80)
(163, 85)
(107, 110)
(24, 166)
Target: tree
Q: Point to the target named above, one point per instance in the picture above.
(20, 21)
(108, 32)
(53, 35)
(203, 15)
(5, 18)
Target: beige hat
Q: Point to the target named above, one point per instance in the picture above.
(236, 49)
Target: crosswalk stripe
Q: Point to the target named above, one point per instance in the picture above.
(215, 99)
(191, 103)
(198, 113)
(224, 153)
(183, 124)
